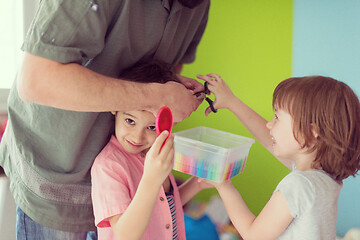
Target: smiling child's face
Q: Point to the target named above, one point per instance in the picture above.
(135, 130)
(285, 145)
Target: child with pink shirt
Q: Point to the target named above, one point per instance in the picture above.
(134, 194)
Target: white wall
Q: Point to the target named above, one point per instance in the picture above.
(7, 204)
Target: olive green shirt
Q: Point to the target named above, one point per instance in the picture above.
(46, 152)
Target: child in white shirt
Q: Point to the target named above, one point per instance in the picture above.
(316, 129)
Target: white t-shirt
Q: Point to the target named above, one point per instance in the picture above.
(312, 197)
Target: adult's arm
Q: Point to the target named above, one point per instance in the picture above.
(73, 87)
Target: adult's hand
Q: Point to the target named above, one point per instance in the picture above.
(190, 83)
(178, 98)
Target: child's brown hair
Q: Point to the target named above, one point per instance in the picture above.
(331, 109)
(154, 71)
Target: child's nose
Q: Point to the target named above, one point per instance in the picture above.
(269, 124)
(138, 136)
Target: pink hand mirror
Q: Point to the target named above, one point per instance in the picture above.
(164, 120)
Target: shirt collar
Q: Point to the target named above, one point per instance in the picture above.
(176, 6)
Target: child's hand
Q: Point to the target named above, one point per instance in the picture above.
(204, 183)
(222, 92)
(209, 184)
(159, 162)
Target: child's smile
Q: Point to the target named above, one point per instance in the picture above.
(134, 145)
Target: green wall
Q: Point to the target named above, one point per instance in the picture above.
(249, 44)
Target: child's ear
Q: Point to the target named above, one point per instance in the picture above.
(314, 130)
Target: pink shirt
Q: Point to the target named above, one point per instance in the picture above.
(115, 176)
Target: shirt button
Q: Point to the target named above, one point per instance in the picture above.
(167, 226)
(94, 7)
(161, 199)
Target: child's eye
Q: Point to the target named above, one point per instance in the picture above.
(129, 121)
(152, 128)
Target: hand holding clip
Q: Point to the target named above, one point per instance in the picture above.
(217, 86)
(211, 102)
(202, 94)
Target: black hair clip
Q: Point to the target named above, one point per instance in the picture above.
(202, 95)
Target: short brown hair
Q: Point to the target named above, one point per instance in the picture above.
(154, 71)
(333, 109)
